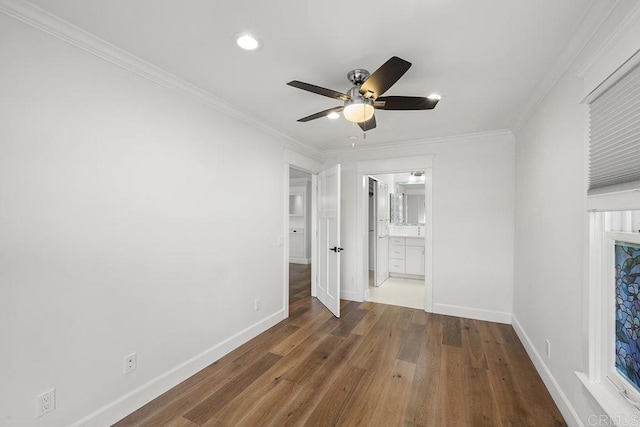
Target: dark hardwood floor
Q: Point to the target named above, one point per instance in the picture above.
(379, 365)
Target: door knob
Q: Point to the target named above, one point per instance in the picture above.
(336, 249)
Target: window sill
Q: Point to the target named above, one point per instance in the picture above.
(617, 409)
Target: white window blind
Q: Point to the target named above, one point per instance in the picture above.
(614, 151)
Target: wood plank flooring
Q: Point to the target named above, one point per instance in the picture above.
(379, 365)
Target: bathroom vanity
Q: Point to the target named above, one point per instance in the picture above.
(406, 251)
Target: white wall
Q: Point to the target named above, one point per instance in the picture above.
(550, 233)
(473, 199)
(119, 231)
(551, 236)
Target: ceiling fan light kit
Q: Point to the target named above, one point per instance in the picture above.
(365, 96)
(357, 112)
(357, 108)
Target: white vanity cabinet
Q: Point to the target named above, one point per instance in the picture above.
(414, 258)
(397, 249)
(406, 256)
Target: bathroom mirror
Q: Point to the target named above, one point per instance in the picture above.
(407, 203)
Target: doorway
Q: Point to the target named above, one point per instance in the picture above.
(299, 235)
(299, 216)
(321, 232)
(397, 239)
(409, 236)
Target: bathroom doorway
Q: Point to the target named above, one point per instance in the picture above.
(405, 209)
(396, 212)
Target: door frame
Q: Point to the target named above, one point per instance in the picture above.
(386, 166)
(313, 167)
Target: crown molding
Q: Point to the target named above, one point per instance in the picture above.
(591, 23)
(618, 34)
(48, 23)
(422, 142)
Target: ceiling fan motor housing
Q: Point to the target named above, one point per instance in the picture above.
(358, 76)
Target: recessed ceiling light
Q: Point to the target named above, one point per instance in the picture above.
(247, 41)
(435, 97)
(333, 115)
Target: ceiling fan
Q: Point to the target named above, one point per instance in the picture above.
(365, 96)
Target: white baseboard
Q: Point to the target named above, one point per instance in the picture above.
(299, 260)
(472, 313)
(407, 276)
(126, 404)
(568, 412)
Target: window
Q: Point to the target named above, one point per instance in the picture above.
(614, 313)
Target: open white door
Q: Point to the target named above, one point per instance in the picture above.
(382, 227)
(328, 241)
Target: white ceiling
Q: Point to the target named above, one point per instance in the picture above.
(484, 57)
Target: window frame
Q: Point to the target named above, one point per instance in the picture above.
(601, 379)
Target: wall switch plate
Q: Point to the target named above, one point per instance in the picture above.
(46, 402)
(548, 349)
(130, 363)
(256, 304)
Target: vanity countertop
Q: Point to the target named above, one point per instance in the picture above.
(406, 230)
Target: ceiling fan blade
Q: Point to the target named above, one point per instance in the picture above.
(369, 124)
(319, 90)
(321, 114)
(405, 103)
(384, 77)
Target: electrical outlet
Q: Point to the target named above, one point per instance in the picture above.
(130, 363)
(548, 349)
(46, 402)
(256, 304)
